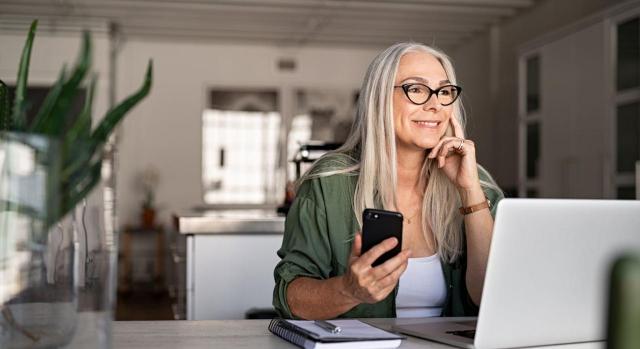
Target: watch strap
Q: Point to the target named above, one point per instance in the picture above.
(473, 208)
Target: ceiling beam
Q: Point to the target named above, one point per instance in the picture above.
(453, 6)
(257, 6)
(111, 9)
(358, 22)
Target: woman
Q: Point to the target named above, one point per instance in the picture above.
(406, 152)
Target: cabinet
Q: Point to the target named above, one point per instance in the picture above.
(230, 259)
(229, 274)
(569, 117)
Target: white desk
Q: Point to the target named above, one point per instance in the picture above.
(247, 334)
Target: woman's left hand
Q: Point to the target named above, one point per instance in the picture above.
(457, 158)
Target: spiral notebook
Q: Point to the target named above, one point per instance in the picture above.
(354, 334)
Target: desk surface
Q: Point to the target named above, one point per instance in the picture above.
(242, 334)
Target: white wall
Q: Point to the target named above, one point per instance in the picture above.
(165, 129)
(494, 116)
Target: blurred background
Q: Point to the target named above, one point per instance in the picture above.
(247, 93)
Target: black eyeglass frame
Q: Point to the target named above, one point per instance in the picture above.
(405, 88)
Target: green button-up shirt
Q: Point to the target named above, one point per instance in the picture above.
(319, 231)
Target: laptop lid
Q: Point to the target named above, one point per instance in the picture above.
(548, 271)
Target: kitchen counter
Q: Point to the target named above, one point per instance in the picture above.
(231, 222)
(229, 260)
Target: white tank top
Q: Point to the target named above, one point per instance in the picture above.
(422, 291)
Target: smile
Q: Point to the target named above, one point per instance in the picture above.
(427, 124)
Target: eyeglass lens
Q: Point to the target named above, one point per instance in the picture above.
(419, 94)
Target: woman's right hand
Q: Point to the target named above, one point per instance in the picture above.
(367, 284)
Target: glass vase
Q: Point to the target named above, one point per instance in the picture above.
(57, 275)
(37, 291)
(96, 259)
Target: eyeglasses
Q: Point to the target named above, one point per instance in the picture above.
(419, 94)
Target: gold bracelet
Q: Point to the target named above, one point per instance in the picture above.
(473, 208)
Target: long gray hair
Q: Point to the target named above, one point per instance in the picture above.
(370, 153)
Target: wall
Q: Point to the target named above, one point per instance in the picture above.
(494, 115)
(165, 130)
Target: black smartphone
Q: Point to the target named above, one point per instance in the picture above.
(377, 226)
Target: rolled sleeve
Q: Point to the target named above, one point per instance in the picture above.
(305, 251)
(494, 196)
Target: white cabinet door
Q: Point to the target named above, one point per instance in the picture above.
(574, 133)
(229, 274)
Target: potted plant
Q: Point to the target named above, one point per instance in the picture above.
(148, 180)
(48, 166)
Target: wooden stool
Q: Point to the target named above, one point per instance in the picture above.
(127, 260)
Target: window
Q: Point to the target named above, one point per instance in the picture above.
(627, 106)
(628, 54)
(533, 149)
(530, 116)
(628, 137)
(320, 116)
(626, 192)
(240, 147)
(299, 134)
(533, 84)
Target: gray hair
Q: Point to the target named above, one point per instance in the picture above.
(370, 153)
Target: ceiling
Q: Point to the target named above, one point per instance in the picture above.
(354, 23)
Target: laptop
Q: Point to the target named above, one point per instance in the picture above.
(547, 275)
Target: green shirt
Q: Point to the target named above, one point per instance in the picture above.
(317, 241)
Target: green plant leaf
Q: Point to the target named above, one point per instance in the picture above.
(19, 121)
(81, 128)
(78, 147)
(49, 102)
(10, 206)
(80, 186)
(5, 108)
(113, 116)
(80, 180)
(75, 172)
(59, 118)
(79, 155)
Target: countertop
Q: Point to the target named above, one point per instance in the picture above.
(231, 222)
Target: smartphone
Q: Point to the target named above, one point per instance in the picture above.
(377, 226)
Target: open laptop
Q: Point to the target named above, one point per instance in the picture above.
(547, 276)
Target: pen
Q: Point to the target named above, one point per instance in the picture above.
(327, 326)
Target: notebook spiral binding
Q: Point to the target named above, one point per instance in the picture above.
(275, 326)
